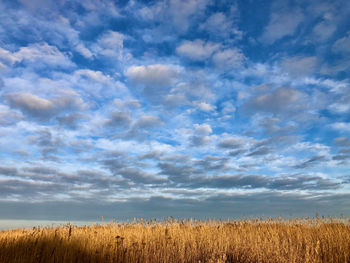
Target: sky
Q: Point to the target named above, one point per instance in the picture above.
(197, 108)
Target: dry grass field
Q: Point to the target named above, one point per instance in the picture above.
(260, 240)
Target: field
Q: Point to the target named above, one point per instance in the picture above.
(254, 240)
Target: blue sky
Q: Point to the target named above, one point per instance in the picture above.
(191, 108)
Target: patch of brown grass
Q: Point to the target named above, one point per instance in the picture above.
(298, 240)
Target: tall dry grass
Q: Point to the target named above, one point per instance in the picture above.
(298, 240)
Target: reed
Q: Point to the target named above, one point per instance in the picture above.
(253, 240)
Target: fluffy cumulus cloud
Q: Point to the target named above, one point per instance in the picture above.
(174, 108)
(34, 106)
(152, 75)
(283, 22)
(197, 49)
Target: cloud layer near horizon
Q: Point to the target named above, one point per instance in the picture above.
(174, 108)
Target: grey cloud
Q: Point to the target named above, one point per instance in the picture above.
(200, 136)
(213, 163)
(99, 180)
(119, 119)
(279, 141)
(283, 22)
(110, 45)
(47, 142)
(40, 170)
(341, 157)
(237, 152)
(177, 173)
(70, 120)
(230, 143)
(148, 121)
(342, 141)
(280, 101)
(299, 66)
(26, 189)
(152, 75)
(282, 182)
(121, 104)
(276, 126)
(229, 59)
(199, 140)
(221, 24)
(42, 108)
(121, 166)
(310, 162)
(37, 177)
(80, 145)
(231, 181)
(139, 176)
(261, 151)
(174, 100)
(8, 171)
(114, 165)
(177, 158)
(197, 49)
(342, 45)
(345, 150)
(154, 154)
(304, 182)
(232, 206)
(324, 29)
(153, 81)
(8, 116)
(40, 56)
(31, 104)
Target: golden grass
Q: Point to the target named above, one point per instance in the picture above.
(298, 240)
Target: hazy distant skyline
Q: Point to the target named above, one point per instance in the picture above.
(191, 108)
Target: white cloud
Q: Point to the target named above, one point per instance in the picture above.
(228, 108)
(97, 76)
(126, 103)
(341, 104)
(7, 57)
(197, 49)
(281, 24)
(339, 107)
(227, 59)
(177, 14)
(110, 45)
(111, 40)
(37, 55)
(342, 126)
(182, 11)
(44, 53)
(80, 48)
(148, 121)
(205, 106)
(219, 24)
(299, 66)
(8, 116)
(176, 99)
(333, 85)
(202, 129)
(342, 45)
(324, 30)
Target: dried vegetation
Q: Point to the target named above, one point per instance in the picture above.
(254, 240)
